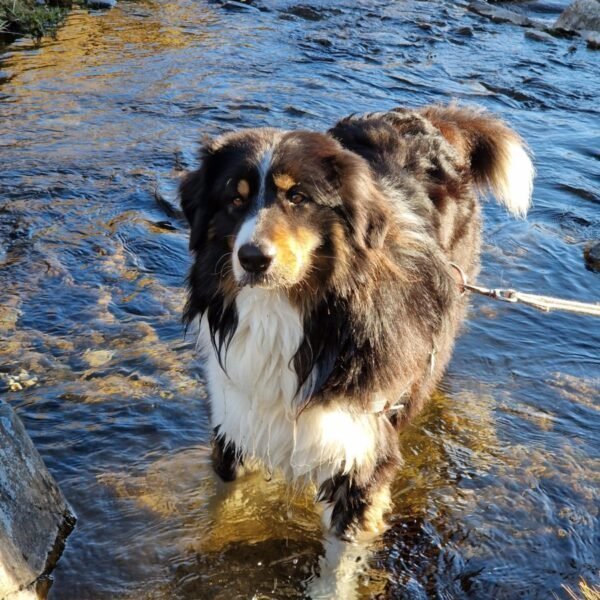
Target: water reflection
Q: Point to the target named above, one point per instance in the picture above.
(499, 493)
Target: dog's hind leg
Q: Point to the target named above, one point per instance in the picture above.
(226, 459)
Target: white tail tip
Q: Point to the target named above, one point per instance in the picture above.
(512, 180)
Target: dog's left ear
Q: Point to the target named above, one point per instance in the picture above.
(191, 191)
(363, 204)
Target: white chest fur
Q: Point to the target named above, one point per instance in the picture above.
(254, 402)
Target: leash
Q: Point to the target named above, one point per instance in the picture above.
(543, 303)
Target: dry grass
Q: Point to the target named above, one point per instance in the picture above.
(585, 592)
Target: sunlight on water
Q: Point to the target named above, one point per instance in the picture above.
(498, 494)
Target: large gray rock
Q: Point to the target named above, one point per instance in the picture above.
(35, 518)
(581, 15)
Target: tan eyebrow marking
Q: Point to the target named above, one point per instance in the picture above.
(243, 188)
(283, 182)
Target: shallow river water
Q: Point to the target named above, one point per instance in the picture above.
(499, 494)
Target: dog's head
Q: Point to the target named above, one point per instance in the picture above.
(280, 209)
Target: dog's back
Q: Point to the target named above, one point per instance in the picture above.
(437, 159)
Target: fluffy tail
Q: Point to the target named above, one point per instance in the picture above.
(496, 155)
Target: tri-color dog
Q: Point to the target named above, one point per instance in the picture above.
(324, 288)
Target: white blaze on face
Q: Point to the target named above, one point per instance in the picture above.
(263, 169)
(246, 233)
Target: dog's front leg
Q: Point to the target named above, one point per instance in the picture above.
(226, 458)
(355, 505)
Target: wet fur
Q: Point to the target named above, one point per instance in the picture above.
(361, 307)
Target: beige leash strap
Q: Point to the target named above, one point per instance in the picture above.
(544, 303)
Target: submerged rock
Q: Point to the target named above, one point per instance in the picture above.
(538, 36)
(35, 518)
(239, 5)
(466, 31)
(580, 19)
(499, 14)
(581, 15)
(591, 254)
(17, 381)
(101, 4)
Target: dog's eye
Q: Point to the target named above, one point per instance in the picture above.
(296, 196)
(238, 202)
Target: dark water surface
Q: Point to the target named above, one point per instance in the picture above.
(499, 496)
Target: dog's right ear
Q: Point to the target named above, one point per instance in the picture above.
(193, 204)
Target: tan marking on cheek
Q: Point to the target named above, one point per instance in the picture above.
(303, 244)
(243, 188)
(294, 249)
(283, 182)
(279, 235)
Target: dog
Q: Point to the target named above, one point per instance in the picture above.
(326, 286)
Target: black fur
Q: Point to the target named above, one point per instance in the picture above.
(226, 459)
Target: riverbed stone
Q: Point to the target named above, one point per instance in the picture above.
(538, 36)
(581, 15)
(35, 518)
(591, 254)
(592, 39)
(500, 14)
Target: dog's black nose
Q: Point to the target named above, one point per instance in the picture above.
(254, 258)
